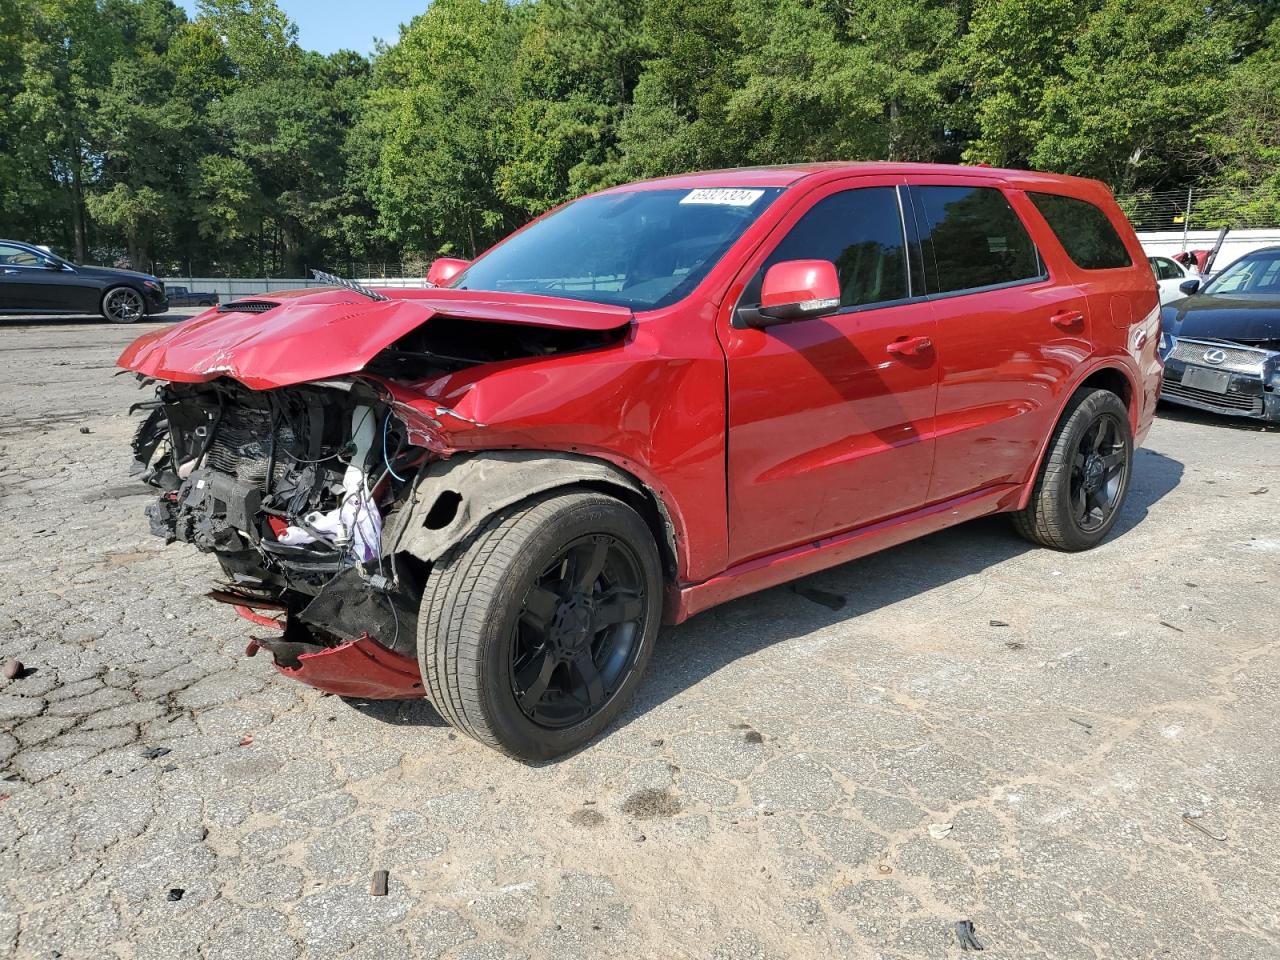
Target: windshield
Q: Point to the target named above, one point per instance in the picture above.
(642, 249)
(1255, 273)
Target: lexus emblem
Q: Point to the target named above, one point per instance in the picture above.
(1214, 356)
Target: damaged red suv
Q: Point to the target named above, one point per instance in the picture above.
(649, 401)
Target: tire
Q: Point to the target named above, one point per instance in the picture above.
(123, 305)
(1069, 478)
(504, 629)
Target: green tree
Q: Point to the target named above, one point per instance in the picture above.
(440, 111)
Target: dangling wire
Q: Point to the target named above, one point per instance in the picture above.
(385, 458)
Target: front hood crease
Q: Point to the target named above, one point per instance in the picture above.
(316, 336)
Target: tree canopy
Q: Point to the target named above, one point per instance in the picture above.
(132, 133)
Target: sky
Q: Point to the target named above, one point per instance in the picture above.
(329, 25)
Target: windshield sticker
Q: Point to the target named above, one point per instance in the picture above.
(726, 197)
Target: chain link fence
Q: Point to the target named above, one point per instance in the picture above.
(1202, 208)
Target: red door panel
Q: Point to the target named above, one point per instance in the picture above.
(1004, 360)
(1005, 350)
(830, 420)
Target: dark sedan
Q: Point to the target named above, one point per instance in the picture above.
(33, 280)
(1222, 343)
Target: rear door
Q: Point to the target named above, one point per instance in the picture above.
(1011, 330)
(831, 419)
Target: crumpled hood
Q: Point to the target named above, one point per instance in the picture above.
(1225, 317)
(314, 334)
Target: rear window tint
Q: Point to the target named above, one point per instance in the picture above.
(1084, 231)
(975, 238)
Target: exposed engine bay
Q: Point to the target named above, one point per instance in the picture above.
(303, 491)
(289, 489)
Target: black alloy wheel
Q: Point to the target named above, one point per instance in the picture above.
(123, 305)
(536, 630)
(1098, 473)
(1080, 490)
(578, 631)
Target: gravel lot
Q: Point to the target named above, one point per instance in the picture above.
(780, 789)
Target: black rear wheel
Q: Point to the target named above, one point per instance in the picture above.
(1085, 475)
(535, 632)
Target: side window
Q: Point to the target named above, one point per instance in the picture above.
(860, 231)
(18, 257)
(1165, 269)
(1084, 231)
(973, 238)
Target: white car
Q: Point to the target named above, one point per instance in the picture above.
(1170, 276)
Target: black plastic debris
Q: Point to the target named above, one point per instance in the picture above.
(84, 429)
(154, 753)
(175, 894)
(965, 934)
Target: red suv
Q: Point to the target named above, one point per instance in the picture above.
(649, 401)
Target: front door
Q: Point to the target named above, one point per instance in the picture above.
(831, 419)
(29, 283)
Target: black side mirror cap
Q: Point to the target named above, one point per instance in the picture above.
(1189, 286)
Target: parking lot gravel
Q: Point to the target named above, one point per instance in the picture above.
(1077, 753)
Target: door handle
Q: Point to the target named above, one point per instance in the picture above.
(1067, 319)
(7, 272)
(910, 347)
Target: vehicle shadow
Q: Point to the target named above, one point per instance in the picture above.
(689, 653)
(1173, 411)
(711, 641)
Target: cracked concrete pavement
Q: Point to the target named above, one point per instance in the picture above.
(770, 793)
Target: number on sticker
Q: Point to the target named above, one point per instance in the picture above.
(725, 196)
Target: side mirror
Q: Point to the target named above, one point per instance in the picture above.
(1189, 286)
(795, 290)
(52, 265)
(444, 269)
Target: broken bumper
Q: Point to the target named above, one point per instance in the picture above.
(358, 668)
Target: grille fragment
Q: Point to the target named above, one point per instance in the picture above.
(1222, 401)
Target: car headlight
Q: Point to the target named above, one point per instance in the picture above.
(151, 285)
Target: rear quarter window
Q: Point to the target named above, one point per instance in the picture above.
(1084, 231)
(972, 239)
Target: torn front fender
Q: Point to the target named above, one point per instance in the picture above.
(453, 497)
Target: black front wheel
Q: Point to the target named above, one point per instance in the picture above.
(1085, 475)
(535, 632)
(123, 305)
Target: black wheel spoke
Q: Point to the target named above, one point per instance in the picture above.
(1113, 461)
(592, 684)
(1079, 502)
(619, 607)
(537, 688)
(587, 564)
(539, 608)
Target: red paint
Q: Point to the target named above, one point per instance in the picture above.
(359, 668)
(777, 451)
(795, 281)
(260, 619)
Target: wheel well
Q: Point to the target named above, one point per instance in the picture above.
(452, 497)
(1109, 378)
(646, 504)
